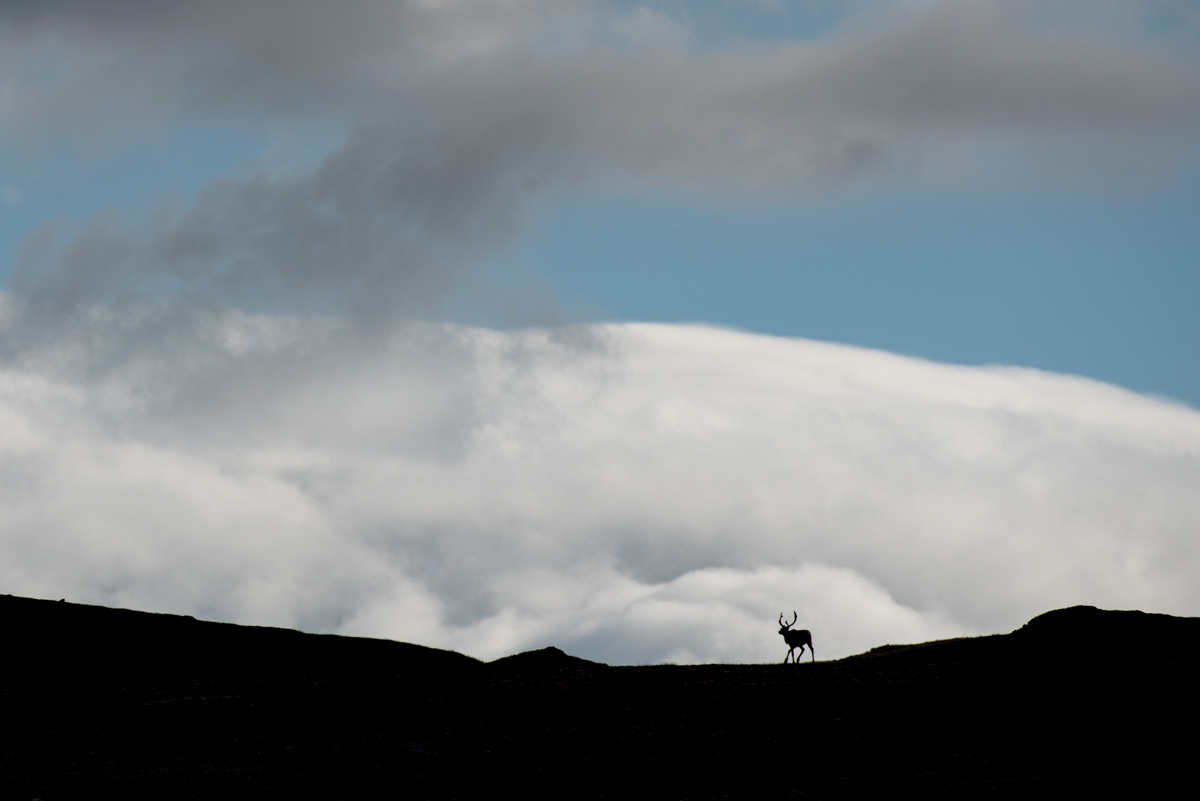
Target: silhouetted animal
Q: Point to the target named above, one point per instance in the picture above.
(796, 638)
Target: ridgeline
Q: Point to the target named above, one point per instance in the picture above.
(113, 704)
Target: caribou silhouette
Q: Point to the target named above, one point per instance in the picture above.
(796, 638)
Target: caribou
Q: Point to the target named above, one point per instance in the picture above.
(795, 638)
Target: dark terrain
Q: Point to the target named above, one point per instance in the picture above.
(108, 703)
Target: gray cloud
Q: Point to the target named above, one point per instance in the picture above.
(121, 64)
(380, 230)
(926, 85)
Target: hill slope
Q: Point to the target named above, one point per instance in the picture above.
(102, 703)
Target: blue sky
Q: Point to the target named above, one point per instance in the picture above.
(497, 324)
(1099, 286)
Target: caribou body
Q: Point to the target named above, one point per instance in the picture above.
(795, 638)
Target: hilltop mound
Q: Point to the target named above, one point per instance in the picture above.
(1081, 626)
(543, 659)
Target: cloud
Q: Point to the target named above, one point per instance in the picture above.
(126, 64)
(946, 92)
(383, 228)
(638, 493)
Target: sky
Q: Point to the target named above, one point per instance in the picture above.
(616, 326)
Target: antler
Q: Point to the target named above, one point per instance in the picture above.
(795, 617)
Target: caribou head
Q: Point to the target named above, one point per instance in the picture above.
(795, 638)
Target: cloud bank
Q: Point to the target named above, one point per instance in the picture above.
(633, 493)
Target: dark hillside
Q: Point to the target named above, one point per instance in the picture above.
(64, 637)
(101, 703)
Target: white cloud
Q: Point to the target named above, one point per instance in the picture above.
(630, 493)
